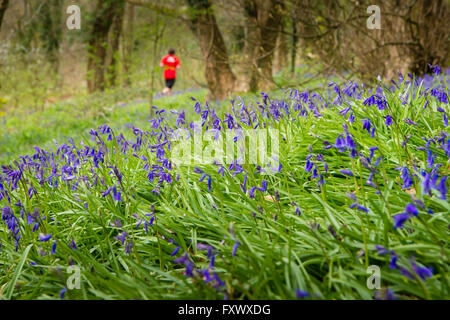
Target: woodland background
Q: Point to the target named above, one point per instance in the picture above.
(225, 45)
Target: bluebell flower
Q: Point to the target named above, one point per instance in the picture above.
(235, 246)
(251, 192)
(405, 272)
(366, 125)
(426, 183)
(204, 247)
(62, 293)
(430, 158)
(44, 237)
(422, 272)
(128, 247)
(411, 209)
(435, 69)
(409, 121)
(107, 192)
(309, 166)
(184, 259)
(301, 294)
(263, 186)
(212, 262)
(219, 283)
(73, 245)
(372, 152)
(406, 177)
(116, 194)
(442, 188)
(400, 219)
(381, 250)
(385, 294)
(359, 207)
(122, 237)
(346, 172)
(175, 251)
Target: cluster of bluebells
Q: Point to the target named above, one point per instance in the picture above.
(95, 169)
(422, 272)
(208, 274)
(311, 166)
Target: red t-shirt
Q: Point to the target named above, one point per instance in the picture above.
(170, 62)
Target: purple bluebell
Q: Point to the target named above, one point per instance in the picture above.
(62, 293)
(184, 259)
(381, 250)
(422, 272)
(346, 172)
(434, 68)
(73, 245)
(301, 294)
(409, 121)
(44, 237)
(405, 272)
(359, 207)
(442, 188)
(400, 219)
(122, 237)
(385, 294)
(411, 209)
(235, 247)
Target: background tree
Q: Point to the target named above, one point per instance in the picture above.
(3, 6)
(50, 29)
(105, 13)
(412, 32)
(128, 42)
(114, 42)
(263, 21)
(218, 73)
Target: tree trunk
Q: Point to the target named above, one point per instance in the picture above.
(50, 29)
(218, 73)
(128, 42)
(294, 43)
(431, 35)
(98, 41)
(3, 7)
(266, 16)
(281, 51)
(116, 31)
(252, 43)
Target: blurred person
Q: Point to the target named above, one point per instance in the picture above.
(170, 63)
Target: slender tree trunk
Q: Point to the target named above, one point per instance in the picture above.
(219, 76)
(116, 31)
(50, 29)
(267, 16)
(156, 48)
(3, 7)
(294, 44)
(252, 43)
(430, 34)
(268, 44)
(128, 42)
(281, 51)
(98, 41)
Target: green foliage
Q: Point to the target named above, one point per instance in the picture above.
(325, 250)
